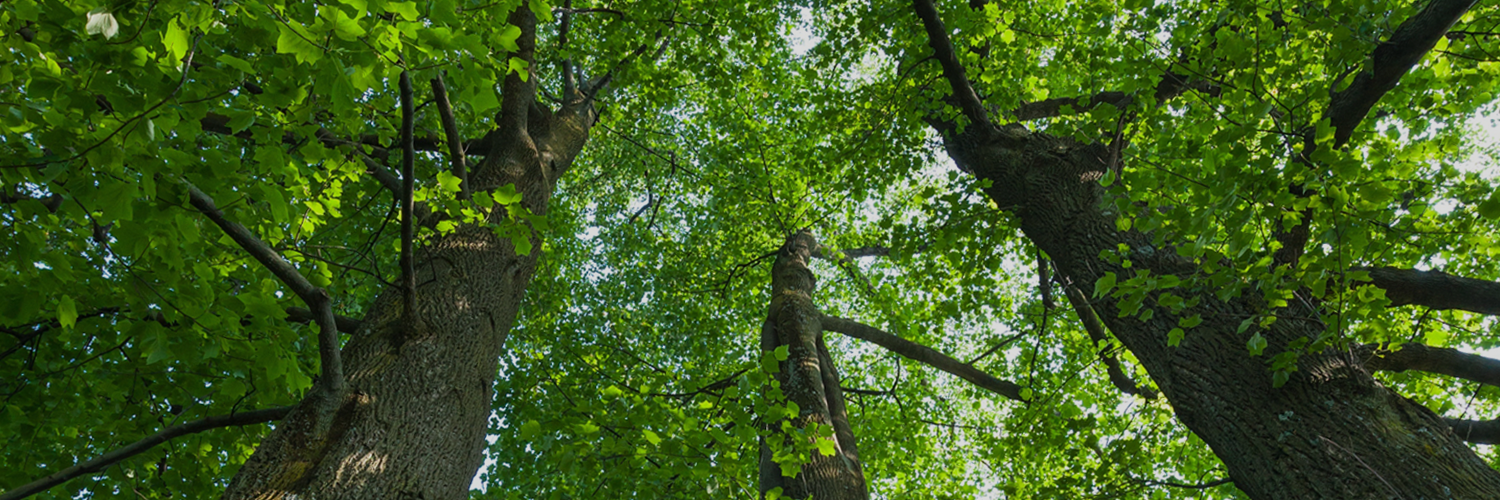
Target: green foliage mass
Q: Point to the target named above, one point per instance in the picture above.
(634, 370)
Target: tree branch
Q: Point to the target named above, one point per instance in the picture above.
(408, 159)
(1392, 59)
(303, 315)
(1170, 86)
(1439, 360)
(1436, 289)
(1096, 332)
(317, 299)
(450, 131)
(113, 457)
(963, 92)
(918, 352)
(1476, 431)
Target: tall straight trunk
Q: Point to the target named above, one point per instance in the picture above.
(413, 421)
(1331, 431)
(809, 379)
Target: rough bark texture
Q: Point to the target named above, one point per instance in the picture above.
(808, 378)
(413, 420)
(1330, 432)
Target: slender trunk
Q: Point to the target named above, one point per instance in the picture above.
(413, 421)
(1331, 431)
(808, 379)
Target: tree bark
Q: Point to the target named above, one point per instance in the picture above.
(1331, 431)
(413, 420)
(808, 379)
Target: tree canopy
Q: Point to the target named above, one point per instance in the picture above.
(232, 216)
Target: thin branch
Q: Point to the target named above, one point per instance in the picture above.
(450, 130)
(924, 354)
(963, 92)
(408, 158)
(303, 315)
(104, 461)
(1095, 329)
(317, 299)
(1196, 486)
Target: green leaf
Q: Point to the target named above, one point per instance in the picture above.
(176, 41)
(1104, 285)
(782, 352)
(1174, 337)
(67, 312)
(407, 10)
(826, 447)
(530, 430)
(1257, 344)
(651, 437)
(1190, 321)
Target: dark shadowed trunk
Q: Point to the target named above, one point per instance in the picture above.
(1331, 431)
(413, 420)
(809, 379)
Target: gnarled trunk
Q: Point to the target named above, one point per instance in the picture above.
(1331, 431)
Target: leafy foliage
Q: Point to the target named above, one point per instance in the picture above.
(634, 372)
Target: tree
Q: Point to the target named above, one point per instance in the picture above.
(1231, 199)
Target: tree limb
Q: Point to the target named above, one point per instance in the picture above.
(1476, 431)
(1412, 40)
(104, 461)
(963, 92)
(450, 131)
(1436, 289)
(317, 299)
(918, 352)
(1439, 360)
(408, 182)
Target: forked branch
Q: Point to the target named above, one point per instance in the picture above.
(103, 461)
(317, 299)
(1095, 329)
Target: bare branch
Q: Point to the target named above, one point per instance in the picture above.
(450, 130)
(924, 354)
(103, 461)
(1095, 329)
(1170, 86)
(963, 92)
(599, 84)
(1195, 486)
(1439, 360)
(317, 299)
(1436, 289)
(1392, 59)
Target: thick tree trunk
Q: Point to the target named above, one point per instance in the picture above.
(809, 379)
(1331, 431)
(413, 421)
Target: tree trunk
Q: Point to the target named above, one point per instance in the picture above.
(1331, 431)
(413, 421)
(809, 379)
